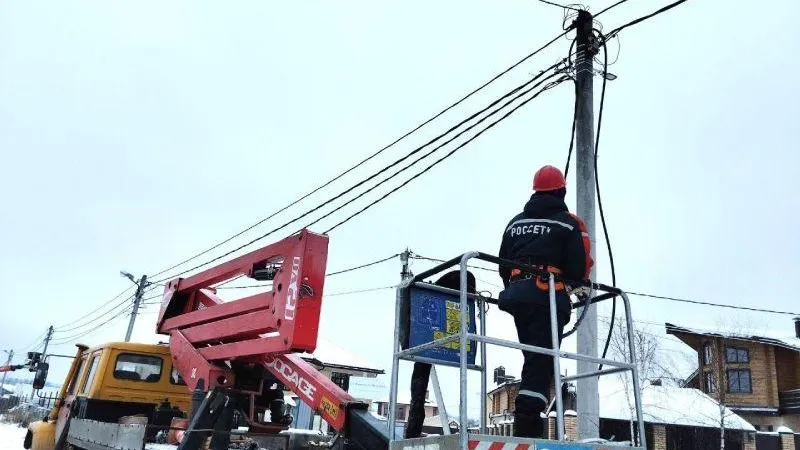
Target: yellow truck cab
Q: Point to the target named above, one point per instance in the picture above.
(108, 382)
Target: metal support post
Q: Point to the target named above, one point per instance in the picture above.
(588, 396)
(463, 420)
(554, 328)
(8, 363)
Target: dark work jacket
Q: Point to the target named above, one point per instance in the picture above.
(546, 233)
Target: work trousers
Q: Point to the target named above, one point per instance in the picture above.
(533, 328)
(416, 413)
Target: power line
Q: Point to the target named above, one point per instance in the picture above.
(416, 256)
(548, 2)
(360, 291)
(96, 309)
(75, 337)
(616, 31)
(362, 266)
(610, 7)
(458, 135)
(327, 183)
(718, 305)
(374, 175)
(110, 311)
(488, 127)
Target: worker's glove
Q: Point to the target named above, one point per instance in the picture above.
(580, 291)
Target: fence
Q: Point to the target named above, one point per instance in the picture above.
(44, 401)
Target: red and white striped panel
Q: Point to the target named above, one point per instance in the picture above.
(489, 445)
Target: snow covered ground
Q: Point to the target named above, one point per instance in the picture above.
(11, 436)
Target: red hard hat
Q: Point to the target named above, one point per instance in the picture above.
(548, 178)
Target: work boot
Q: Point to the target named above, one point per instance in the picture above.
(528, 426)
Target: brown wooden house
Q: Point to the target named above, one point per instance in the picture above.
(757, 377)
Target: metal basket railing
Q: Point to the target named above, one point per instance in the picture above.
(463, 337)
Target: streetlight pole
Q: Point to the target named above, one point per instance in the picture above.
(137, 299)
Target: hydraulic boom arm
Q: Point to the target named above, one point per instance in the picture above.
(218, 345)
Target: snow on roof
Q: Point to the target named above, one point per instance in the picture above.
(331, 355)
(666, 405)
(762, 336)
(436, 421)
(404, 398)
(784, 429)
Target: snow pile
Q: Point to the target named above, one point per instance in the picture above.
(11, 436)
(667, 405)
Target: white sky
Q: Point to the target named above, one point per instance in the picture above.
(134, 134)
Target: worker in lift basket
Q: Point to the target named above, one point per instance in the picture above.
(545, 235)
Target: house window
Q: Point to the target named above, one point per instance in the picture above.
(707, 354)
(739, 381)
(401, 412)
(770, 428)
(710, 385)
(342, 380)
(736, 355)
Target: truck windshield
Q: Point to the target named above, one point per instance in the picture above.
(133, 367)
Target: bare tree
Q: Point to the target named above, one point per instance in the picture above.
(652, 365)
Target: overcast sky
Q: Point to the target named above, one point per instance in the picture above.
(134, 134)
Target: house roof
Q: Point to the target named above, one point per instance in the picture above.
(504, 385)
(762, 337)
(667, 405)
(331, 355)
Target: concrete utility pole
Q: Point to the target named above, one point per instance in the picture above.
(588, 396)
(47, 342)
(8, 363)
(137, 299)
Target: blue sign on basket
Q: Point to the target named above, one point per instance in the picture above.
(560, 446)
(435, 315)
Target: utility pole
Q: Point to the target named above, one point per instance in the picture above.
(8, 363)
(47, 342)
(136, 301)
(588, 396)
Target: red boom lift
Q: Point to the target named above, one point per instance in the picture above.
(231, 350)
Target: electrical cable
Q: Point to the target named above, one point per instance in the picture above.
(719, 305)
(413, 152)
(600, 198)
(96, 309)
(416, 256)
(442, 145)
(566, 7)
(616, 31)
(339, 272)
(572, 133)
(488, 127)
(110, 311)
(370, 157)
(359, 291)
(33, 344)
(610, 7)
(68, 339)
(362, 266)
